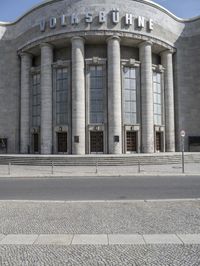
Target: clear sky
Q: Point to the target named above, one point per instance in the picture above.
(11, 9)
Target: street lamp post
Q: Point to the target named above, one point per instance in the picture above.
(182, 133)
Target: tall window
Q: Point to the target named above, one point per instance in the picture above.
(157, 96)
(36, 100)
(130, 95)
(61, 96)
(96, 94)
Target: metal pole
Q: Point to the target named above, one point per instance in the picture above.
(96, 166)
(52, 167)
(9, 168)
(183, 162)
(139, 170)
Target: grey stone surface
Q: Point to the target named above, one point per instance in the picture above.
(90, 239)
(46, 98)
(1, 236)
(99, 239)
(88, 255)
(100, 218)
(89, 218)
(18, 239)
(53, 239)
(147, 118)
(9, 95)
(162, 239)
(187, 95)
(26, 63)
(167, 62)
(114, 95)
(169, 32)
(190, 239)
(126, 239)
(78, 96)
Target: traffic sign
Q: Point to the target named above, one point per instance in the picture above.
(182, 133)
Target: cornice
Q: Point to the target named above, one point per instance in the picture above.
(147, 2)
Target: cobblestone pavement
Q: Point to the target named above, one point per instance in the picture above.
(160, 217)
(151, 255)
(134, 217)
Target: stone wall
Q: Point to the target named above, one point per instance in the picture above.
(168, 30)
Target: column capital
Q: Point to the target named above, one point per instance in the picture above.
(77, 38)
(114, 37)
(25, 54)
(146, 43)
(45, 44)
(168, 51)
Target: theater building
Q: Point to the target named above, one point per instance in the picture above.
(105, 77)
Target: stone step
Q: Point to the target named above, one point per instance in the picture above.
(107, 160)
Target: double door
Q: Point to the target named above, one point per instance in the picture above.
(158, 141)
(62, 142)
(96, 142)
(35, 142)
(131, 141)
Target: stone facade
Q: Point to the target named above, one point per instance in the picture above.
(84, 76)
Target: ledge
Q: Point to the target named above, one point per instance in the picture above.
(147, 2)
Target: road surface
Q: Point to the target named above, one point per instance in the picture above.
(102, 188)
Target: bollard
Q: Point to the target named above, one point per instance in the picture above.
(139, 170)
(97, 167)
(9, 168)
(52, 166)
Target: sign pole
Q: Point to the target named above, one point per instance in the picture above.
(183, 163)
(182, 133)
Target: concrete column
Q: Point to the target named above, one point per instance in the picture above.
(26, 63)
(147, 119)
(167, 63)
(114, 96)
(78, 96)
(46, 98)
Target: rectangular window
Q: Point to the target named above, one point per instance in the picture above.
(130, 95)
(36, 100)
(96, 94)
(61, 96)
(157, 98)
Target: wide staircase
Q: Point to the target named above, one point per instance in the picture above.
(100, 160)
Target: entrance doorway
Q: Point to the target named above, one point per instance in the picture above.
(158, 141)
(96, 141)
(3, 145)
(62, 142)
(35, 143)
(131, 141)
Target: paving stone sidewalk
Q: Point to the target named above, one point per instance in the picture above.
(90, 255)
(100, 239)
(169, 232)
(123, 217)
(48, 171)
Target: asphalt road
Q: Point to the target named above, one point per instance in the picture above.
(102, 188)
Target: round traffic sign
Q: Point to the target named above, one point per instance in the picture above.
(182, 133)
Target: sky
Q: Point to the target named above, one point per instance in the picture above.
(12, 9)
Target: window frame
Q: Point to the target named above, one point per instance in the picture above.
(156, 115)
(61, 103)
(35, 107)
(131, 63)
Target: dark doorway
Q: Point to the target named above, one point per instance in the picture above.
(194, 143)
(36, 143)
(62, 142)
(96, 142)
(158, 141)
(131, 141)
(3, 145)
